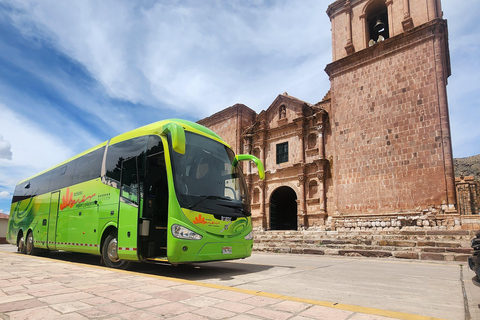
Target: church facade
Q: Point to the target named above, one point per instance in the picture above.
(376, 151)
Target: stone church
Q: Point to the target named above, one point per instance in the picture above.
(376, 151)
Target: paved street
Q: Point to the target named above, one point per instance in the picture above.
(264, 286)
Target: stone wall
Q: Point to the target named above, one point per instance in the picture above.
(230, 123)
(387, 118)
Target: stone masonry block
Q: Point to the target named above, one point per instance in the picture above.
(406, 255)
(432, 256)
(426, 243)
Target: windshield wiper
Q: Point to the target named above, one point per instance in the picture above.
(207, 197)
(238, 207)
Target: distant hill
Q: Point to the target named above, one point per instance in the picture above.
(469, 166)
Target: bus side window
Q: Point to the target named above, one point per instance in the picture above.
(88, 166)
(130, 184)
(63, 176)
(36, 186)
(156, 188)
(117, 153)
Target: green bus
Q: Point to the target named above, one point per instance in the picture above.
(169, 192)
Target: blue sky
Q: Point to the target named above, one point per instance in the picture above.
(75, 73)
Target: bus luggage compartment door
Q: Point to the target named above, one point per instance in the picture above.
(52, 221)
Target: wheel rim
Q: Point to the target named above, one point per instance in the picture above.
(112, 250)
(29, 243)
(21, 244)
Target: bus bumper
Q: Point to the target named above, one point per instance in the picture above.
(212, 251)
(224, 251)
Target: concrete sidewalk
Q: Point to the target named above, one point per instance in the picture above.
(42, 288)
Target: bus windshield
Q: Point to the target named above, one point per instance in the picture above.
(206, 181)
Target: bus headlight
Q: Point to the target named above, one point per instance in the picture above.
(249, 236)
(183, 233)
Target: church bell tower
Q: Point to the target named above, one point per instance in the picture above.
(390, 135)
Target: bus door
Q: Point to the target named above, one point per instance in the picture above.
(155, 209)
(52, 221)
(130, 199)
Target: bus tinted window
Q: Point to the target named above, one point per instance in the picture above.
(32, 187)
(62, 176)
(154, 145)
(28, 189)
(89, 166)
(40, 184)
(121, 151)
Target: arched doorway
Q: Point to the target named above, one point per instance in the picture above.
(283, 209)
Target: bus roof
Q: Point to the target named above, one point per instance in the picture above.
(148, 129)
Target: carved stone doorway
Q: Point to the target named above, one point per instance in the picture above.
(283, 209)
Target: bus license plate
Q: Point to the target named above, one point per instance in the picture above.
(227, 250)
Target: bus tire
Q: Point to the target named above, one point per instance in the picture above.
(21, 245)
(109, 253)
(30, 245)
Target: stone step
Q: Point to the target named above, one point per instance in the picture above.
(366, 247)
(365, 238)
(440, 256)
(436, 234)
(450, 245)
(381, 243)
(377, 232)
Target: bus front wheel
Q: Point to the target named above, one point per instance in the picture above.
(110, 253)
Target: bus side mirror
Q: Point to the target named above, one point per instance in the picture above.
(177, 134)
(249, 157)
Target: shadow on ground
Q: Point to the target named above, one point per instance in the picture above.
(221, 270)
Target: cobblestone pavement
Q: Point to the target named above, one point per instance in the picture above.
(42, 288)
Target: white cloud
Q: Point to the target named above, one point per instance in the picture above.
(5, 195)
(5, 146)
(34, 149)
(200, 57)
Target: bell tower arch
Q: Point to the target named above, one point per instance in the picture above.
(376, 18)
(390, 133)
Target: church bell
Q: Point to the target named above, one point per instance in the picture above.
(379, 26)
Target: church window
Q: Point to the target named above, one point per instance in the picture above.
(282, 152)
(312, 141)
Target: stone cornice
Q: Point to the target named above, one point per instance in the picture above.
(340, 6)
(226, 114)
(429, 30)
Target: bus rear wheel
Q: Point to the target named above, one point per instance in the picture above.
(29, 245)
(110, 254)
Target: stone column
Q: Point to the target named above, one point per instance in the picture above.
(391, 28)
(247, 148)
(321, 163)
(262, 205)
(302, 215)
(301, 137)
(407, 22)
(432, 10)
(363, 23)
(323, 198)
(441, 75)
(349, 48)
(321, 145)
